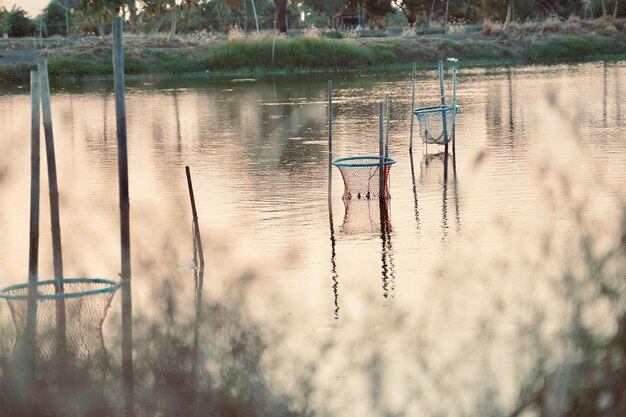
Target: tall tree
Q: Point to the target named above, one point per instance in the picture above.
(410, 9)
(55, 19)
(19, 23)
(281, 15)
(103, 10)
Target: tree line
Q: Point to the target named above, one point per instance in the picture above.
(79, 17)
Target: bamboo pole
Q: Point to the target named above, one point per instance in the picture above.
(330, 138)
(381, 151)
(195, 216)
(413, 76)
(122, 161)
(29, 348)
(57, 253)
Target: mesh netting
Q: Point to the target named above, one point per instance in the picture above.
(361, 176)
(86, 301)
(432, 126)
(365, 217)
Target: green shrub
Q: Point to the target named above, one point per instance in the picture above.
(573, 48)
(301, 52)
(77, 66)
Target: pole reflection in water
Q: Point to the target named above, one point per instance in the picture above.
(179, 145)
(416, 206)
(388, 274)
(333, 261)
(455, 191)
(198, 275)
(429, 170)
(370, 217)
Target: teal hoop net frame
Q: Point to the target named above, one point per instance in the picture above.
(437, 123)
(86, 302)
(361, 176)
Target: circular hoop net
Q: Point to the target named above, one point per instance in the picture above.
(361, 176)
(436, 123)
(85, 302)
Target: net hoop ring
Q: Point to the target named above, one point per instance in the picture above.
(435, 109)
(111, 286)
(361, 161)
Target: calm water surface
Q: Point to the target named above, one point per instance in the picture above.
(432, 310)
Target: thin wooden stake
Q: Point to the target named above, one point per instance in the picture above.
(195, 216)
(381, 152)
(57, 253)
(122, 163)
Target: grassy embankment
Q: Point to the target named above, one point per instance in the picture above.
(547, 42)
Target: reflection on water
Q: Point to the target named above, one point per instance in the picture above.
(333, 260)
(389, 278)
(496, 251)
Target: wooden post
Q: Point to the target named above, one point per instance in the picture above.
(413, 76)
(195, 216)
(28, 350)
(57, 253)
(443, 104)
(122, 164)
(330, 138)
(381, 153)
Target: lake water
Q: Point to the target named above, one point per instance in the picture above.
(446, 311)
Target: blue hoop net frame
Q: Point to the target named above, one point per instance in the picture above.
(437, 123)
(86, 302)
(361, 176)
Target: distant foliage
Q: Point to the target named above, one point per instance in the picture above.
(54, 18)
(20, 25)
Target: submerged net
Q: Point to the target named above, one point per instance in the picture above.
(86, 302)
(361, 176)
(436, 123)
(366, 217)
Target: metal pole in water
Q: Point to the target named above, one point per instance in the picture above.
(443, 104)
(195, 216)
(57, 253)
(413, 76)
(330, 138)
(387, 129)
(454, 105)
(122, 163)
(381, 152)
